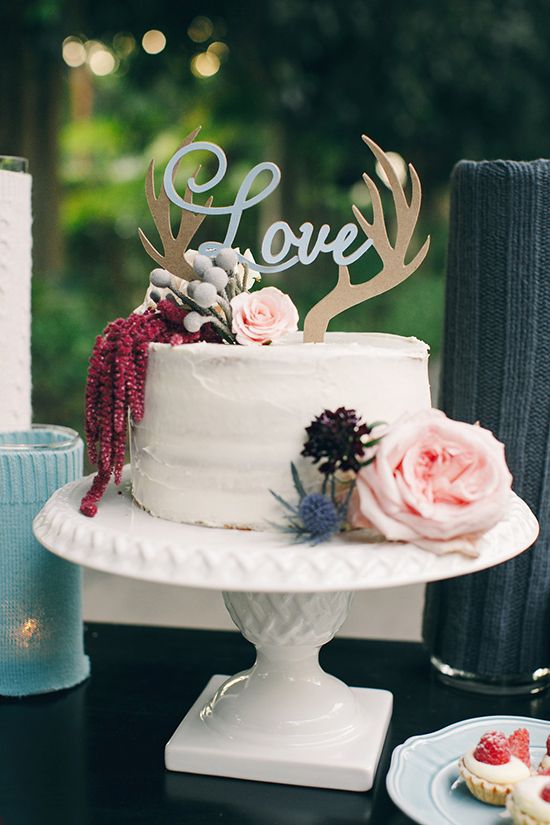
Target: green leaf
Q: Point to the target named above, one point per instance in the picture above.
(319, 540)
(284, 503)
(345, 504)
(297, 481)
(373, 442)
(377, 424)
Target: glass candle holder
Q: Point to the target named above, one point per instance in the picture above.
(41, 638)
(10, 163)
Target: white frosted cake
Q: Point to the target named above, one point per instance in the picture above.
(238, 420)
(222, 424)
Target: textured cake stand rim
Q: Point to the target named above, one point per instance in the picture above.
(125, 540)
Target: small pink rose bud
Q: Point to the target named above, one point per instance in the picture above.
(263, 316)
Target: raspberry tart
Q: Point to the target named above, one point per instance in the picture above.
(496, 764)
(529, 801)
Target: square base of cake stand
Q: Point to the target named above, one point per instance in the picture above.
(347, 766)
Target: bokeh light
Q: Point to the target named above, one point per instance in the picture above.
(205, 64)
(124, 44)
(399, 166)
(359, 195)
(200, 29)
(153, 41)
(100, 59)
(74, 52)
(218, 48)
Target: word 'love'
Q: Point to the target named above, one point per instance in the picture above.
(307, 249)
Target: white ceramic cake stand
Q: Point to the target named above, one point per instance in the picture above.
(284, 720)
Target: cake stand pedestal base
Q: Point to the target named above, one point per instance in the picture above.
(348, 765)
(285, 719)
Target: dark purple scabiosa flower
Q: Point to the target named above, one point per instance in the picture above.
(335, 441)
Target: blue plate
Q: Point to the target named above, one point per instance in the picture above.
(424, 769)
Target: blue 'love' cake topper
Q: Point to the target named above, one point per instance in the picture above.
(302, 247)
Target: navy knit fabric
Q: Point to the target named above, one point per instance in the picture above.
(496, 370)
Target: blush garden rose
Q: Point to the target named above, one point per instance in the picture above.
(263, 316)
(435, 482)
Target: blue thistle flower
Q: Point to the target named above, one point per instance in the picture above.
(316, 517)
(320, 516)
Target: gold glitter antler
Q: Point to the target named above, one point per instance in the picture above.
(173, 245)
(394, 268)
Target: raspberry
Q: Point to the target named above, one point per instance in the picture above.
(519, 745)
(545, 793)
(548, 746)
(545, 772)
(493, 749)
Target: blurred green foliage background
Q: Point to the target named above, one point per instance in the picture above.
(292, 81)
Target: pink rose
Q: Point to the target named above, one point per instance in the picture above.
(433, 481)
(263, 316)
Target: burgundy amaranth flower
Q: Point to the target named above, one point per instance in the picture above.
(335, 439)
(116, 385)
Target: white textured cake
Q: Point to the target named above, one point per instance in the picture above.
(222, 424)
(238, 420)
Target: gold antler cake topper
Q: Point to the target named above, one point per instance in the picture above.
(174, 246)
(394, 268)
(301, 247)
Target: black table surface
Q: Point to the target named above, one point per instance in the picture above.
(94, 755)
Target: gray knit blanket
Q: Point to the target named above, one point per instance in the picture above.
(496, 370)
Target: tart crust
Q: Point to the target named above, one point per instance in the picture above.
(489, 792)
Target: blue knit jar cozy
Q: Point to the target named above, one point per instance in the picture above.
(496, 370)
(41, 638)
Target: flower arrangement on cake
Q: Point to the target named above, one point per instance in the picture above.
(209, 344)
(426, 479)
